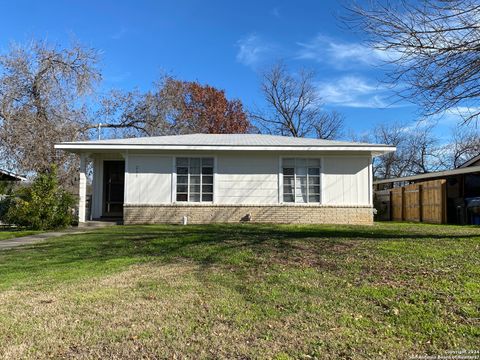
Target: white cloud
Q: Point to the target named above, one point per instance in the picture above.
(119, 34)
(340, 54)
(276, 12)
(252, 49)
(353, 91)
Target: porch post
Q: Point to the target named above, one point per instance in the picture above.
(82, 188)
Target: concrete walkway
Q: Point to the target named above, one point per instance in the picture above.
(33, 239)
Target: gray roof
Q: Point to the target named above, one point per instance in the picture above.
(6, 175)
(224, 140)
(431, 175)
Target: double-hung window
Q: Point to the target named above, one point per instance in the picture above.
(301, 180)
(194, 179)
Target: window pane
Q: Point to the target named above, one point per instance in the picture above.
(289, 163)
(207, 197)
(182, 162)
(313, 180)
(300, 163)
(314, 198)
(313, 171)
(288, 198)
(194, 197)
(314, 163)
(195, 180)
(182, 170)
(182, 179)
(288, 171)
(207, 188)
(182, 188)
(315, 189)
(194, 188)
(301, 194)
(288, 180)
(301, 181)
(207, 179)
(301, 171)
(195, 162)
(207, 162)
(207, 170)
(181, 197)
(288, 189)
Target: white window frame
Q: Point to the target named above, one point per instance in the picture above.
(281, 182)
(175, 175)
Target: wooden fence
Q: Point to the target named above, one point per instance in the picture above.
(420, 202)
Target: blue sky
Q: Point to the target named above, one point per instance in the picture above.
(222, 43)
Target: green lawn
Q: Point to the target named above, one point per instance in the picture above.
(10, 234)
(244, 291)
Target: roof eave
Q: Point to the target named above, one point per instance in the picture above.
(75, 147)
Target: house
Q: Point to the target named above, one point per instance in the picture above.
(455, 196)
(206, 178)
(10, 176)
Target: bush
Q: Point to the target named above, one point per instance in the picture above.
(43, 205)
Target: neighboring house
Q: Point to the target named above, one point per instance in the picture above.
(10, 176)
(206, 178)
(458, 196)
(7, 181)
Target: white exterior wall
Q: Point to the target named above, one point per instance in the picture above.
(346, 180)
(148, 179)
(247, 179)
(240, 178)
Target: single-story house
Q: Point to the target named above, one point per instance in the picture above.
(9, 176)
(205, 178)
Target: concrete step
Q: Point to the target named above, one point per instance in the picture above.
(99, 223)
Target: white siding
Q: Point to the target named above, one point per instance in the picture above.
(247, 179)
(345, 180)
(149, 179)
(240, 178)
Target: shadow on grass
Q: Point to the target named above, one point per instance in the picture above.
(112, 248)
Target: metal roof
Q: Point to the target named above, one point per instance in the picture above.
(223, 142)
(6, 175)
(470, 162)
(436, 174)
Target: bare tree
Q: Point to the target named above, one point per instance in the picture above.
(434, 47)
(418, 150)
(42, 93)
(294, 106)
(465, 144)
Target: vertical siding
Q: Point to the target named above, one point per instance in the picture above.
(149, 179)
(247, 179)
(346, 181)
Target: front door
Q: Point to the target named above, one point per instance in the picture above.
(113, 188)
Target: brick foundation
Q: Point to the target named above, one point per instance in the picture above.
(281, 214)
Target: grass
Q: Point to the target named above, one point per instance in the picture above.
(243, 291)
(7, 234)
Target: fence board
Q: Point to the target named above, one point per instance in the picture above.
(397, 204)
(433, 201)
(411, 203)
(425, 201)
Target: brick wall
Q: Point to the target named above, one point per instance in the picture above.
(286, 214)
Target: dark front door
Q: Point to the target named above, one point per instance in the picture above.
(113, 188)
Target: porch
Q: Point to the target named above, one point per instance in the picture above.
(104, 199)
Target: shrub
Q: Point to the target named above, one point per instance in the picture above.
(41, 205)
